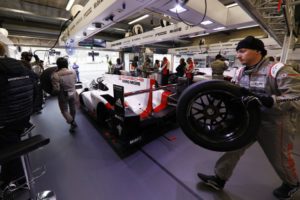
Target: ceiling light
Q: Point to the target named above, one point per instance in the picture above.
(231, 5)
(69, 5)
(91, 28)
(157, 27)
(178, 9)
(19, 11)
(206, 22)
(243, 27)
(219, 28)
(202, 34)
(139, 19)
(60, 18)
(120, 29)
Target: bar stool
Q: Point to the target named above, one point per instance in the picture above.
(22, 150)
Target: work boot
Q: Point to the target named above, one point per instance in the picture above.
(286, 191)
(73, 123)
(212, 181)
(73, 126)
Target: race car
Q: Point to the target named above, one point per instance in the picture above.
(129, 106)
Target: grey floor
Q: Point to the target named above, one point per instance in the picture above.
(84, 166)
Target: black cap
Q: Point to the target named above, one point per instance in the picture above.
(251, 42)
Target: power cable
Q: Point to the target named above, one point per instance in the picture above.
(61, 30)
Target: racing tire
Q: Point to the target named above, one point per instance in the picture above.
(45, 78)
(212, 115)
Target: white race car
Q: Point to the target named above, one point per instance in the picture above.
(128, 105)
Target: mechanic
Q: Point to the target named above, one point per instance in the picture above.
(218, 67)
(26, 59)
(63, 82)
(165, 70)
(276, 88)
(17, 86)
(118, 66)
(189, 70)
(180, 69)
(75, 66)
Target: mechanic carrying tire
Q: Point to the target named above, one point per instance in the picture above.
(206, 115)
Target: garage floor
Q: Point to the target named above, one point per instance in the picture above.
(84, 166)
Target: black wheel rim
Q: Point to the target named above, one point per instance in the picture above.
(216, 117)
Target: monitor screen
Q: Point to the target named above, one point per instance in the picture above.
(91, 42)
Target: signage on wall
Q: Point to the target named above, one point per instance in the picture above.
(158, 35)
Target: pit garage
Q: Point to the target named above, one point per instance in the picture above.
(143, 129)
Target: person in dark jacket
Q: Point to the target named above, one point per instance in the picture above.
(16, 91)
(180, 69)
(26, 59)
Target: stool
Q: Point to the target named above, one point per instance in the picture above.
(22, 149)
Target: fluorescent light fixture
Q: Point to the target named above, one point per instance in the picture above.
(61, 18)
(243, 27)
(77, 36)
(139, 19)
(69, 5)
(120, 29)
(178, 9)
(219, 28)
(17, 11)
(231, 5)
(198, 35)
(206, 22)
(91, 28)
(157, 27)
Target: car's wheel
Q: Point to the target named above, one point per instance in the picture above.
(45, 78)
(211, 114)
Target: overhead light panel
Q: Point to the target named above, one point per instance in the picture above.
(178, 9)
(120, 29)
(91, 28)
(231, 5)
(198, 35)
(139, 19)
(70, 4)
(158, 27)
(243, 27)
(206, 22)
(219, 28)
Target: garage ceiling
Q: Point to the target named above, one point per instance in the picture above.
(38, 22)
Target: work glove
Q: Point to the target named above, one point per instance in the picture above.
(262, 100)
(266, 101)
